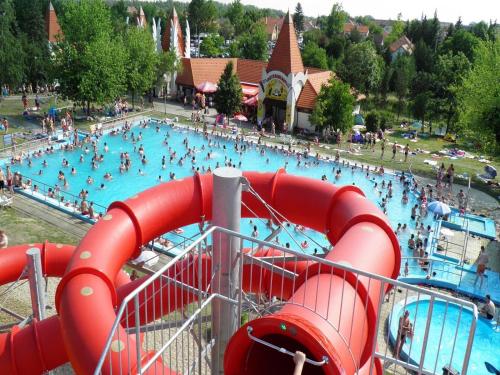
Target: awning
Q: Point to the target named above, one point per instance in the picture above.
(251, 102)
(207, 87)
(249, 90)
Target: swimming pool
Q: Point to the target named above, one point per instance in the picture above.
(222, 150)
(442, 348)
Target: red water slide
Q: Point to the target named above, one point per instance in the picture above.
(359, 231)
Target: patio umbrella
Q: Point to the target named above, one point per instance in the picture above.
(251, 102)
(240, 118)
(147, 257)
(447, 232)
(439, 208)
(207, 87)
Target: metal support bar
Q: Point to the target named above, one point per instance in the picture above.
(248, 259)
(226, 213)
(36, 282)
(12, 313)
(283, 350)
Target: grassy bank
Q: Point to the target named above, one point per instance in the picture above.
(21, 228)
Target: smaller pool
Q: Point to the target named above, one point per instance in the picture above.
(448, 335)
(478, 225)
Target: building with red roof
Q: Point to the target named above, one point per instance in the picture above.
(283, 90)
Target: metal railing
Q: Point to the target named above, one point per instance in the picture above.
(60, 198)
(169, 315)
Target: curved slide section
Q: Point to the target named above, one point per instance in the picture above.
(357, 228)
(38, 347)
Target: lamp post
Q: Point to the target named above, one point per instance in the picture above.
(167, 77)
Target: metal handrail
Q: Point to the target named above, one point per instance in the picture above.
(299, 255)
(283, 350)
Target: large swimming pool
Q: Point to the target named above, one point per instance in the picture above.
(162, 140)
(442, 347)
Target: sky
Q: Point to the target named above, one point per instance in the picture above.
(448, 10)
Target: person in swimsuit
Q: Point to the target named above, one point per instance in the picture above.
(405, 329)
(482, 261)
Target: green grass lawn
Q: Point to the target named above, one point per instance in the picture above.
(21, 229)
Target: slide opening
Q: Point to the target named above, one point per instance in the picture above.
(263, 360)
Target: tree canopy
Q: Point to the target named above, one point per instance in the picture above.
(228, 96)
(252, 44)
(212, 45)
(298, 18)
(314, 56)
(11, 56)
(334, 106)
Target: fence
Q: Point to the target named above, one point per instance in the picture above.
(171, 314)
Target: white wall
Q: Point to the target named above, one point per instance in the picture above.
(303, 121)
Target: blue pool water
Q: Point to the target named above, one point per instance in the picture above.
(442, 351)
(131, 182)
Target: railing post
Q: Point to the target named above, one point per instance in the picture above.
(226, 213)
(426, 334)
(36, 281)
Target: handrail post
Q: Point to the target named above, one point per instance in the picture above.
(426, 334)
(226, 213)
(35, 277)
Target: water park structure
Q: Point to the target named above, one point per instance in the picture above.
(329, 308)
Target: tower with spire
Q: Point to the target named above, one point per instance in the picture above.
(173, 39)
(284, 77)
(52, 27)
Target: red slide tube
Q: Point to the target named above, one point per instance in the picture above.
(165, 207)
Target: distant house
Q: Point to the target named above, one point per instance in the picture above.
(350, 26)
(385, 24)
(401, 46)
(379, 39)
(273, 26)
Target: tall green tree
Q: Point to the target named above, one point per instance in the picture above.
(202, 15)
(298, 18)
(450, 71)
(212, 45)
(236, 14)
(142, 61)
(424, 57)
(31, 21)
(479, 98)
(89, 63)
(314, 56)
(422, 95)
(228, 97)
(253, 44)
(461, 41)
(11, 56)
(336, 20)
(168, 65)
(334, 106)
(362, 67)
(403, 72)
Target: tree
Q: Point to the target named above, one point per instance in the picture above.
(33, 39)
(371, 122)
(424, 57)
(421, 94)
(103, 76)
(298, 19)
(362, 67)
(450, 70)
(168, 65)
(212, 45)
(89, 63)
(202, 15)
(314, 56)
(228, 96)
(11, 56)
(404, 70)
(142, 61)
(397, 31)
(253, 44)
(479, 98)
(336, 20)
(226, 29)
(334, 106)
(461, 41)
(236, 14)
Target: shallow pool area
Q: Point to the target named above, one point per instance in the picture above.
(447, 338)
(164, 145)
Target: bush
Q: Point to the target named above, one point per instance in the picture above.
(385, 119)
(371, 121)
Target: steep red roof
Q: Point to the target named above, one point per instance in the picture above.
(199, 70)
(165, 41)
(286, 54)
(250, 71)
(307, 97)
(52, 25)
